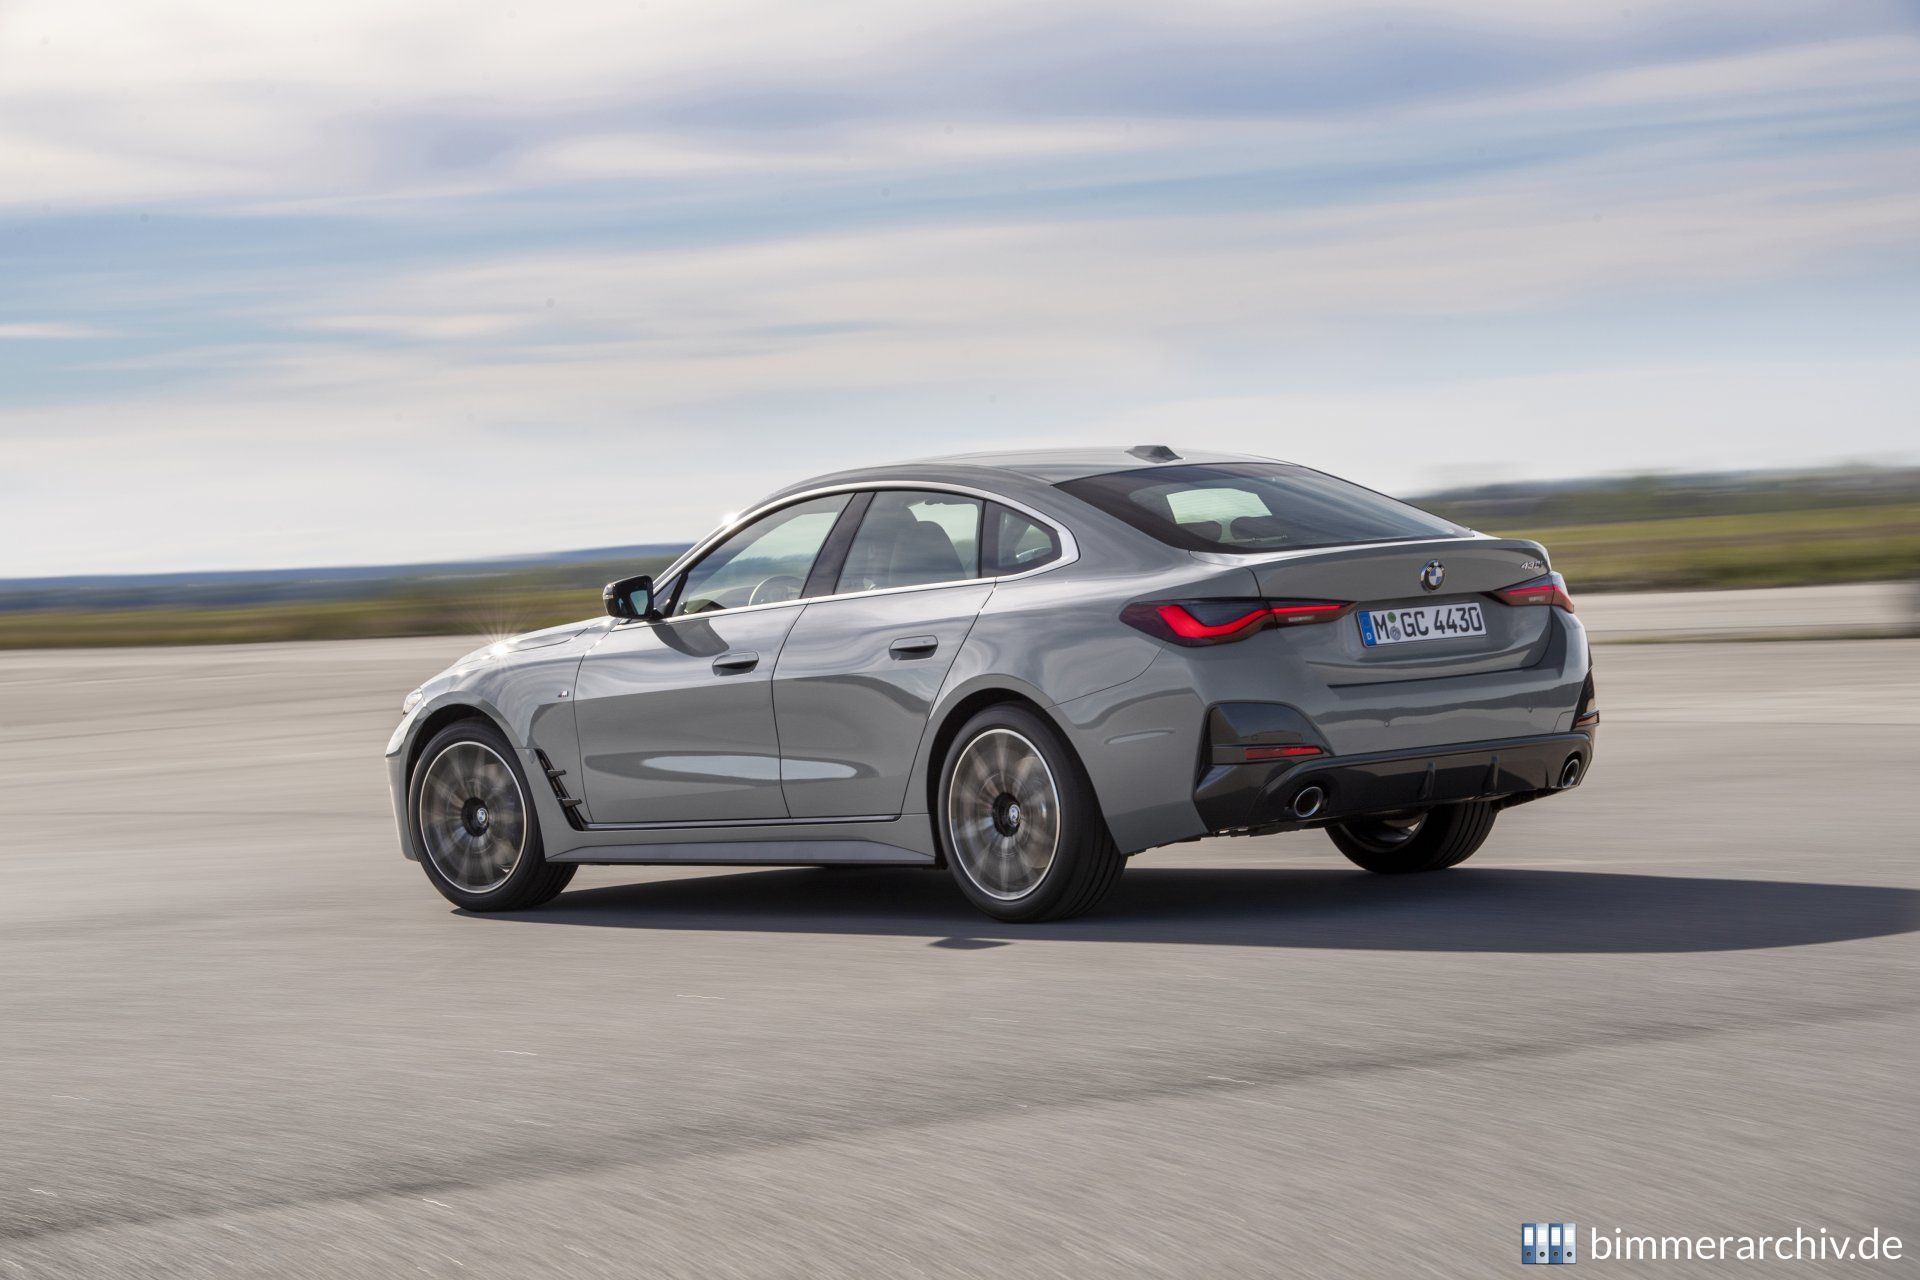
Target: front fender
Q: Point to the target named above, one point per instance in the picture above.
(527, 696)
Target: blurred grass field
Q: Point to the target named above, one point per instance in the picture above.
(1763, 549)
(1867, 542)
(500, 607)
(401, 612)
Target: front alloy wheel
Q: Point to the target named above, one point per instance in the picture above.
(476, 835)
(473, 821)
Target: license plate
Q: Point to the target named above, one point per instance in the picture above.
(1421, 622)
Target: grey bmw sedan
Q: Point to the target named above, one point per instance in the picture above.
(1022, 667)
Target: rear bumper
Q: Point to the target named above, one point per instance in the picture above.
(1244, 797)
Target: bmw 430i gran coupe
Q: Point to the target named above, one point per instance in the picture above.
(1024, 667)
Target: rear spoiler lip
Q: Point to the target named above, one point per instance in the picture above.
(1479, 541)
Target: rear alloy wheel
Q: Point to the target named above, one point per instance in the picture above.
(473, 828)
(1399, 844)
(1021, 829)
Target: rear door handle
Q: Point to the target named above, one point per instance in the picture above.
(913, 646)
(729, 662)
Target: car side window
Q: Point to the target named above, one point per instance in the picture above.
(765, 563)
(1015, 543)
(911, 538)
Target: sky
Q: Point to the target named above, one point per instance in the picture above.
(366, 282)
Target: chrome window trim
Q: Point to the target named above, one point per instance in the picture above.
(1069, 548)
(690, 558)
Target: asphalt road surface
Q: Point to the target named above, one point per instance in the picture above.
(239, 1035)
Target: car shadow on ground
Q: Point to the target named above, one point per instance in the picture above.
(1485, 910)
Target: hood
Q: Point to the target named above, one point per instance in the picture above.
(529, 640)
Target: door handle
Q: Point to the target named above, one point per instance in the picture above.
(913, 646)
(730, 662)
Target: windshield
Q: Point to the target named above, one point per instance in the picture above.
(1244, 507)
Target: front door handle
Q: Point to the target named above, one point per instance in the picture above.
(913, 646)
(727, 663)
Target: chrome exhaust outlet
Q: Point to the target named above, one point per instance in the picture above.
(1308, 801)
(1570, 773)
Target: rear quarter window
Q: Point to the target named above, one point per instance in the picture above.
(1015, 544)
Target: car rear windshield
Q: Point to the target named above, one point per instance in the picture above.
(1246, 507)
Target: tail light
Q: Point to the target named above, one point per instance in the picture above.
(1203, 622)
(1550, 589)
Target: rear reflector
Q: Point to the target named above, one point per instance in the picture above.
(1205, 622)
(1550, 589)
(1281, 753)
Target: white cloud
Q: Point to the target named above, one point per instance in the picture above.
(285, 479)
(1720, 416)
(231, 102)
(926, 303)
(31, 330)
(924, 273)
(893, 148)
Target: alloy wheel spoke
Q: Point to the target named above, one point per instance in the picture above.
(1002, 814)
(473, 853)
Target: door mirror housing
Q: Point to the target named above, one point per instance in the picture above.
(630, 598)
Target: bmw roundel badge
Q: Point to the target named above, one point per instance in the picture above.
(1433, 575)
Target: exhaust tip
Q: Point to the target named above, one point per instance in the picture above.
(1308, 801)
(1570, 772)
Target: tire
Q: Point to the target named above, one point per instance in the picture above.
(1018, 823)
(472, 823)
(1429, 841)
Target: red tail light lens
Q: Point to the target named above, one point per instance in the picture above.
(1210, 621)
(1549, 590)
(1204, 622)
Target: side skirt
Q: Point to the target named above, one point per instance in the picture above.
(749, 853)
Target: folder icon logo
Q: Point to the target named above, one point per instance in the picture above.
(1550, 1244)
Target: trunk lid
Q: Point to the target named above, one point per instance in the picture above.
(1389, 576)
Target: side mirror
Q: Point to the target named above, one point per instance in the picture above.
(629, 598)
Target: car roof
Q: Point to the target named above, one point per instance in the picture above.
(1055, 465)
(1019, 472)
(1035, 465)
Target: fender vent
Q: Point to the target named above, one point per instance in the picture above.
(568, 805)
